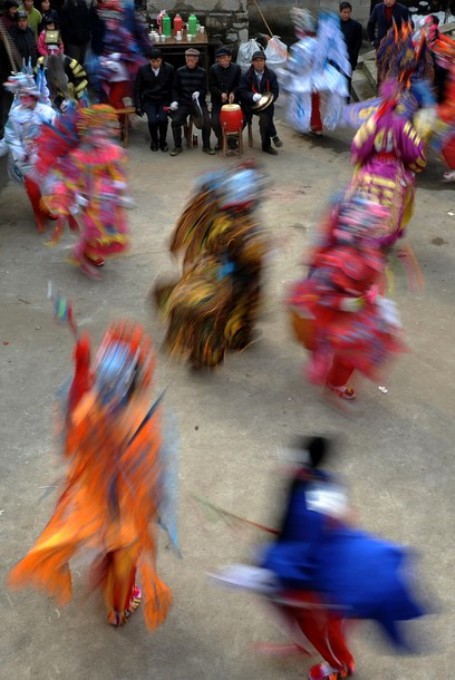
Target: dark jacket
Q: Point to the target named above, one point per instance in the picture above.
(25, 43)
(151, 88)
(377, 24)
(75, 22)
(248, 86)
(189, 80)
(352, 33)
(223, 80)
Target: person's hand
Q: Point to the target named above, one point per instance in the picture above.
(231, 98)
(224, 97)
(139, 112)
(195, 95)
(174, 106)
(256, 97)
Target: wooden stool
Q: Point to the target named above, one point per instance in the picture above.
(238, 137)
(124, 122)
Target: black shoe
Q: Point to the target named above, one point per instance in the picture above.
(270, 150)
(176, 151)
(277, 141)
(164, 147)
(208, 150)
(219, 147)
(153, 146)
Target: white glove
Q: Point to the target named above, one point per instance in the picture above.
(196, 95)
(256, 97)
(174, 106)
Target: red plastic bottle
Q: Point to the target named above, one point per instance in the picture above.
(178, 24)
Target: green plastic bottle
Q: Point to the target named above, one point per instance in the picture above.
(167, 26)
(192, 24)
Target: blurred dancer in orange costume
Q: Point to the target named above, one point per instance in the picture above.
(114, 483)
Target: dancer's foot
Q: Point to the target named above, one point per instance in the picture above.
(345, 392)
(322, 671)
(135, 601)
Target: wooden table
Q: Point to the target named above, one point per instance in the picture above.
(176, 48)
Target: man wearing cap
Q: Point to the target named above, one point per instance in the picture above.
(224, 78)
(189, 90)
(257, 81)
(24, 38)
(152, 92)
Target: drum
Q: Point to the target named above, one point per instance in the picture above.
(231, 118)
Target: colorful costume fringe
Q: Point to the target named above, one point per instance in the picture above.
(114, 483)
(336, 311)
(214, 305)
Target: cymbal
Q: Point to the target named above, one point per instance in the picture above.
(264, 102)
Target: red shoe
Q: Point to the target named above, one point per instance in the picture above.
(345, 392)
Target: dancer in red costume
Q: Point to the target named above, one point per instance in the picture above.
(336, 311)
(88, 182)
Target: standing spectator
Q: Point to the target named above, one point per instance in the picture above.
(152, 92)
(34, 16)
(382, 17)
(75, 27)
(259, 80)
(188, 93)
(352, 33)
(48, 15)
(6, 60)
(49, 35)
(24, 38)
(224, 78)
(10, 8)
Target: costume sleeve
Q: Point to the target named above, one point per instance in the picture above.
(78, 78)
(13, 140)
(412, 148)
(363, 142)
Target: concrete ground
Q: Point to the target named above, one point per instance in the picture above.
(397, 455)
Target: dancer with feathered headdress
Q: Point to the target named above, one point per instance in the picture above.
(114, 484)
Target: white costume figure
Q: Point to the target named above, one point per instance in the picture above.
(22, 130)
(316, 73)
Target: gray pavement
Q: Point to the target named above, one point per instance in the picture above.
(397, 455)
